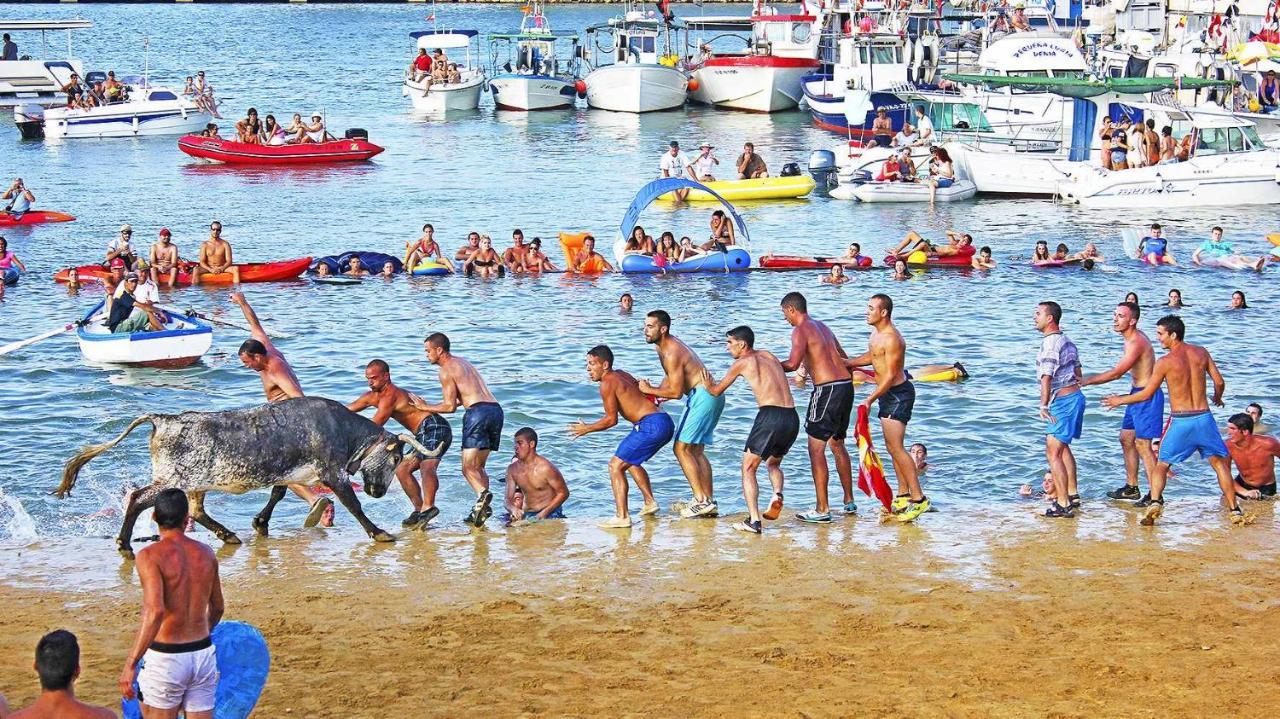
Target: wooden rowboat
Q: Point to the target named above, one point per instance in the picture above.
(183, 342)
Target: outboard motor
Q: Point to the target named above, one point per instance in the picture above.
(822, 167)
(356, 133)
(791, 169)
(30, 121)
(93, 77)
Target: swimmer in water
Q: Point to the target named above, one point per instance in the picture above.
(836, 276)
(625, 303)
(983, 260)
(920, 455)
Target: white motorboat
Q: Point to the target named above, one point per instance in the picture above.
(31, 80)
(1229, 165)
(766, 77)
(146, 112)
(637, 79)
(438, 97)
(537, 78)
(903, 192)
(182, 342)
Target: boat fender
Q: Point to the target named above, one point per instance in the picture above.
(356, 133)
(581, 86)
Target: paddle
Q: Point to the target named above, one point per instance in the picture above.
(216, 321)
(40, 337)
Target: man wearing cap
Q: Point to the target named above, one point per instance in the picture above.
(164, 259)
(122, 247)
(315, 131)
(113, 280)
(704, 164)
(129, 314)
(147, 291)
(882, 128)
(673, 164)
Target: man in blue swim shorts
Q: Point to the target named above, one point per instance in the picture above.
(536, 489)
(1143, 422)
(651, 429)
(1061, 406)
(684, 378)
(1192, 429)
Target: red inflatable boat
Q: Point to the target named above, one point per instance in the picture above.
(920, 259)
(34, 217)
(792, 262)
(249, 272)
(231, 152)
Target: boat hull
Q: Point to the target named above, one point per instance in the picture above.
(1217, 180)
(848, 112)
(1009, 173)
(904, 192)
(311, 153)
(636, 88)
(182, 343)
(249, 272)
(527, 93)
(440, 98)
(34, 217)
(126, 119)
(752, 83)
(764, 188)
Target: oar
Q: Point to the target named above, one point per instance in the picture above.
(216, 321)
(40, 337)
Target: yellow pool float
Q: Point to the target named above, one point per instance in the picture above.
(763, 188)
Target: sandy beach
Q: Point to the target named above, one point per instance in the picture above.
(1016, 618)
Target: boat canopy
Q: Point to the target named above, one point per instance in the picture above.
(1031, 52)
(1075, 87)
(662, 186)
(443, 39)
(718, 23)
(23, 25)
(518, 36)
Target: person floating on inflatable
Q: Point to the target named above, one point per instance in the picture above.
(1154, 248)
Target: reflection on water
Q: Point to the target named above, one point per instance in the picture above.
(547, 173)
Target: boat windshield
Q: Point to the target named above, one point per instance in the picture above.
(1223, 140)
(958, 117)
(880, 55)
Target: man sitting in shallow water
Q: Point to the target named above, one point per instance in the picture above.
(1254, 457)
(536, 489)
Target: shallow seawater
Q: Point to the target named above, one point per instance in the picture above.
(546, 173)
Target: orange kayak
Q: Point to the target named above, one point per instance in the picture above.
(34, 217)
(249, 272)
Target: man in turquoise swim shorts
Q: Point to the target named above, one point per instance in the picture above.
(1192, 429)
(685, 378)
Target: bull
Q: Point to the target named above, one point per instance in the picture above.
(305, 440)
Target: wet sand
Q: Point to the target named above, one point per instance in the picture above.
(1001, 616)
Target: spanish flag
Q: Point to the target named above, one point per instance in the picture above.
(870, 469)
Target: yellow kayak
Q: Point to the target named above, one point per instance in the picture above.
(764, 188)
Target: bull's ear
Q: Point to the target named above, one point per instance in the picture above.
(391, 446)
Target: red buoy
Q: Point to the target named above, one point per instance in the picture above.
(693, 84)
(581, 86)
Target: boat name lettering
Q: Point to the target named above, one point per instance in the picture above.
(1038, 49)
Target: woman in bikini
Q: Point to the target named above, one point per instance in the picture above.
(484, 262)
(535, 260)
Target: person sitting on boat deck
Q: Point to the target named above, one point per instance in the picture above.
(882, 128)
(296, 130)
(513, 256)
(942, 172)
(1154, 248)
(1238, 302)
(674, 164)
(750, 165)
(420, 68)
(983, 260)
(1001, 22)
(74, 91)
(122, 247)
(535, 487)
(701, 169)
(465, 252)
(210, 130)
(356, 268)
(273, 133)
(249, 129)
(424, 248)
(1018, 20)
(906, 137)
(439, 61)
(836, 276)
(1061, 253)
(115, 277)
(1254, 456)
(1175, 299)
(148, 291)
(315, 131)
(1224, 253)
(10, 51)
(1269, 92)
(129, 314)
(112, 90)
(19, 198)
(704, 54)
(484, 262)
(587, 260)
(1041, 252)
(454, 76)
(924, 126)
(204, 96)
(164, 258)
(535, 260)
(688, 251)
(891, 170)
(907, 166)
(1090, 252)
(215, 257)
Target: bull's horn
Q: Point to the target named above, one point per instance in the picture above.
(413, 442)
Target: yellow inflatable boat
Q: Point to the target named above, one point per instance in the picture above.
(764, 188)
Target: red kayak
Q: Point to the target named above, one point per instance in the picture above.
(249, 272)
(306, 153)
(793, 262)
(34, 217)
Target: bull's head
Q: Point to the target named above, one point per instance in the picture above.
(377, 462)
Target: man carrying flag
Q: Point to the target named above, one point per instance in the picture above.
(886, 352)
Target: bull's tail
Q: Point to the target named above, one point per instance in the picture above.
(72, 470)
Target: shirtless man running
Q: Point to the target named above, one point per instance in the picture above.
(1142, 422)
(814, 347)
(279, 383)
(1192, 428)
(461, 384)
(684, 377)
(535, 487)
(432, 431)
(181, 604)
(1255, 458)
(58, 665)
(215, 256)
(651, 428)
(886, 352)
(776, 425)
(164, 259)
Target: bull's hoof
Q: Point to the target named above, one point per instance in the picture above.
(230, 538)
(260, 526)
(381, 536)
